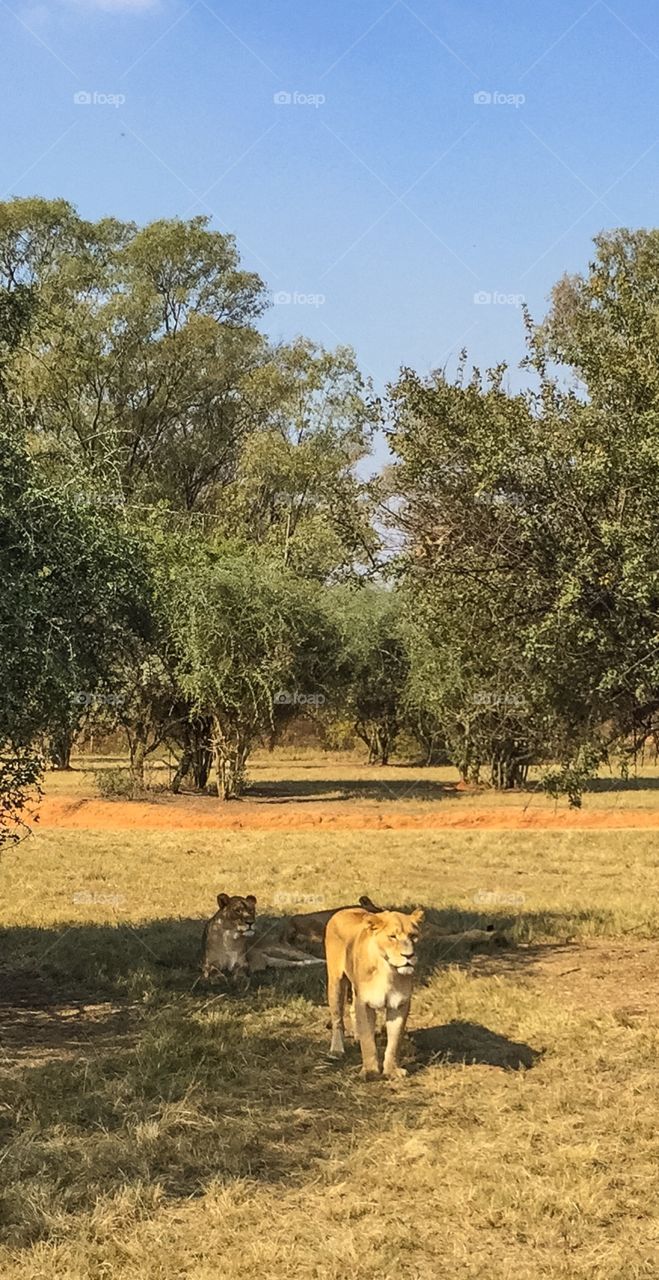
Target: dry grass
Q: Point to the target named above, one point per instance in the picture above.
(309, 775)
(150, 1130)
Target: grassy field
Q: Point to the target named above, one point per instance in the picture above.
(299, 776)
(156, 1129)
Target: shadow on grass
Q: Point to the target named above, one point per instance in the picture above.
(40, 967)
(203, 1095)
(376, 788)
(198, 1093)
(636, 782)
(470, 1043)
(117, 1074)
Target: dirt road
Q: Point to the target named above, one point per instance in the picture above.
(204, 813)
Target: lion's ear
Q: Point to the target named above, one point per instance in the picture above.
(250, 898)
(373, 922)
(418, 917)
(223, 900)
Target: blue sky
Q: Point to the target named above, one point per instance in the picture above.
(378, 200)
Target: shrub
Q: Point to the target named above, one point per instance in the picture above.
(117, 784)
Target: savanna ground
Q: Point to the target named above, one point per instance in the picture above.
(156, 1129)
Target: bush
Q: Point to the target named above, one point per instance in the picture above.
(117, 784)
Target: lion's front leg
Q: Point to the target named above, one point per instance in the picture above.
(337, 989)
(365, 1023)
(396, 1020)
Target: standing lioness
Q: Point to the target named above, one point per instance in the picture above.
(376, 954)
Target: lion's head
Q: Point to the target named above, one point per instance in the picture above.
(238, 913)
(396, 934)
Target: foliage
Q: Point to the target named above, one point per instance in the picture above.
(296, 492)
(145, 381)
(69, 601)
(247, 634)
(118, 784)
(374, 667)
(532, 566)
(20, 773)
(70, 595)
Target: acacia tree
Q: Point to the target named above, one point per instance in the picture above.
(70, 596)
(296, 491)
(245, 631)
(374, 666)
(138, 370)
(149, 392)
(530, 559)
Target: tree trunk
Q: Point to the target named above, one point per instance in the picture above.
(137, 748)
(509, 767)
(378, 739)
(197, 755)
(61, 745)
(182, 771)
(230, 751)
(469, 765)
(202, 754)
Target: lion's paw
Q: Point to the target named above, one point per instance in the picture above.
(395, 1073)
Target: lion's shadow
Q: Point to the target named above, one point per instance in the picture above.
(471, 1044)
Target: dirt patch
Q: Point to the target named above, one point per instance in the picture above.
(600, 976)
(201, 813)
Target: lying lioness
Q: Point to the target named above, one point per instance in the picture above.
(375, 953)
(308, 929)
(230, 944)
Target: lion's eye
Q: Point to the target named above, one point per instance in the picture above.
(414, 937)
(392, 937)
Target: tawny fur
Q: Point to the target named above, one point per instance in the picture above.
(308, 929)
(232, 946)
(375, 954)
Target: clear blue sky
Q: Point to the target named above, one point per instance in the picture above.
(397, 198)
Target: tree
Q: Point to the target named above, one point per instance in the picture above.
(531, 563)
(146, 377)
(602, 327)
(245, 632)
(70, 596)
(296, 492)
(138, 372)
(374, 666)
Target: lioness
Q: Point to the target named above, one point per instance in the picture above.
(230, 944)
(224, 944)
(375, 953)
(308, 929)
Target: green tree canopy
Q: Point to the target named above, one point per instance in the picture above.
(246, 634)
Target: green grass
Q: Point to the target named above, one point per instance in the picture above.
(151, 1129)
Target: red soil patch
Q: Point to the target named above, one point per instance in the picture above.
(194, 813)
